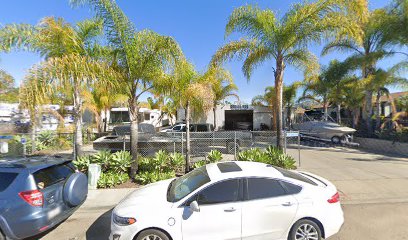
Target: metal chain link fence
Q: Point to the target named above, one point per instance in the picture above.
(229, 143)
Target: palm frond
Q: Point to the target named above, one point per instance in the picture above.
(255, 57)
(251, 20)
(235, 49)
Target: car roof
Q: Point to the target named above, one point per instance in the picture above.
(33, 163)
(236, 169)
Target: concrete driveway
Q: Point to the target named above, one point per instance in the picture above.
(373, 187)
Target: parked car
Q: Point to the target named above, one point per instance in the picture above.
(38, 193)
(231, 200)
(180, 127)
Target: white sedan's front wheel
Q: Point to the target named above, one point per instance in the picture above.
(305, 230)
(152, 234)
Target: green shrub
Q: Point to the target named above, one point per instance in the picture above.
(177, 161)
(214, 156)
(199, 164)
(271, 155)
(111, 179)
(103, 158)
(151, 177)
(47, 138)
(82, 163)
(121, 162)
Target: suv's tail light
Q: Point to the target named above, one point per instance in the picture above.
(34, 198)
(335, 198)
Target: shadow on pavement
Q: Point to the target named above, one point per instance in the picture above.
(100, 229)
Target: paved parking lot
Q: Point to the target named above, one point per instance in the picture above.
(373, 189)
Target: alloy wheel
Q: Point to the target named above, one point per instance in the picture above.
(152, 237)
(306, 232)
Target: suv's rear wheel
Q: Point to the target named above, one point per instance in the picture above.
(152, 234)
(305, 230)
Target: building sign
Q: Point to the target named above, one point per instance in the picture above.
(241, 107)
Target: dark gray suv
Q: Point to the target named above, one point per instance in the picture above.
(36, 194)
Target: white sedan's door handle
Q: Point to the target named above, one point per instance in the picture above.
(231, 209)
(287, 204)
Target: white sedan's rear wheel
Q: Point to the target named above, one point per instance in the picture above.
(152, 234)
(305, 230)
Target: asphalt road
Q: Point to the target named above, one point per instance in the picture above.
(373, 187)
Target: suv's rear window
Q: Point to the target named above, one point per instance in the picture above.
(297, 176)
(52, 175)
(6, 179)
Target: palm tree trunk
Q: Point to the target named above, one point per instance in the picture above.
(78, 122)
(278, 103)
(134, 132)
(105, 121)
(274, 118)
(356, 116)
(188, 147)
(378, 111)
(215, 115)
(338, 112)
(325, 109)
(368, 110)
(33, 132)
(288, 117)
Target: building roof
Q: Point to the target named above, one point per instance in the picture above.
(395, 95)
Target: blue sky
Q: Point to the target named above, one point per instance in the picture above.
(198, 26)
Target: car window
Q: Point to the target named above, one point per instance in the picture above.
(183, 186)
(222, 192)
(291, 188)
(294, 175)
(259, 188)
(6, 179)
(52, 175)
(201, 128)
(177, 128)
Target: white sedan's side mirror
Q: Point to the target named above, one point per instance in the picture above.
(194, 206)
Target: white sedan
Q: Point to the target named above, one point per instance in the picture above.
(231, 200)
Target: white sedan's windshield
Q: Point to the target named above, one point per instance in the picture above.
(181, 187)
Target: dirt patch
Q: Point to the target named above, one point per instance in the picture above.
(128, 184)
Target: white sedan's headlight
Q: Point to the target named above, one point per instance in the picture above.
(123, 221)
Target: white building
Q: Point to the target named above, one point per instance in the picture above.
(120, 115)
(233, 117)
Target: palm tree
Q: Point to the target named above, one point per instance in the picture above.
(62, 45)
(284, 40)
(353, 99)
(222, 89)
(367, 48)
(380, 82)
(142, 57)
(100, 100)
(8, 92)
(6, 81)
(191, 91)
(289, 96)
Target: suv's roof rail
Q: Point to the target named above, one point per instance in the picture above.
(9, 164)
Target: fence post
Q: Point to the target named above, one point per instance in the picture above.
(124, 142)
(235, 145)
(73, 144)
(182, 143)
(299, 146)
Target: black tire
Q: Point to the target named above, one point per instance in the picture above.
(302, 226)
(154, 235)
(336, 140)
